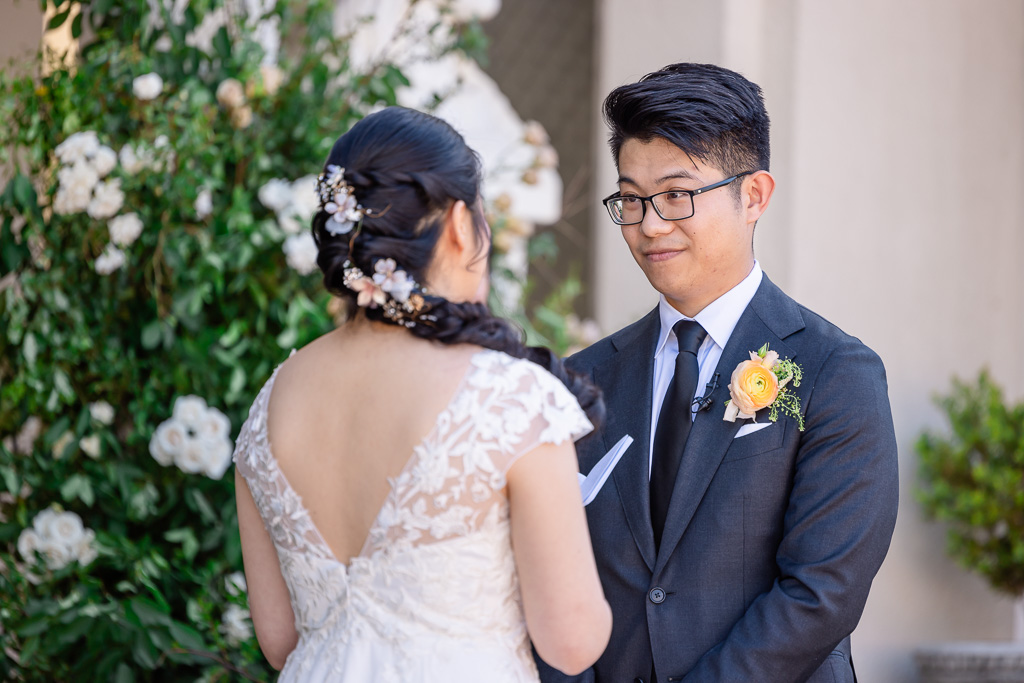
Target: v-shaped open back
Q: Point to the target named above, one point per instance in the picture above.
(433, 594)
(314, 531)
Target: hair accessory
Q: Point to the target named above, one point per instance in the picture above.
(391, 289)
(338, 199)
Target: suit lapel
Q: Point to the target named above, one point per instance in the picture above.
(628, 377)
(711, 435)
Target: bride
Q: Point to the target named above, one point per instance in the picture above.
(406, 484)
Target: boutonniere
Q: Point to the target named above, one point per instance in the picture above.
(761, 382)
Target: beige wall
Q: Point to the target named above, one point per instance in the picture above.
(21, 25)
(898, 147)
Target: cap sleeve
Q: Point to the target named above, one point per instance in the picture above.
(534, 408)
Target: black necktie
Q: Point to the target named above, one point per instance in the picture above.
(674, 422)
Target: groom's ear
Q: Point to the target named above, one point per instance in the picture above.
(757, 192)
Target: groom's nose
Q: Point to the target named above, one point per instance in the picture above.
(654, 225)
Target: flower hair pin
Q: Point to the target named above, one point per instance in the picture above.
(761, 383)
(338, 198)
(390, 288)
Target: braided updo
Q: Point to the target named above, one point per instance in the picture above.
(409, 168)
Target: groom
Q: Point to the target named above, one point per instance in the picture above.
(729, 550)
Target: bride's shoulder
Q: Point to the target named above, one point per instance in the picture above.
(518, 374)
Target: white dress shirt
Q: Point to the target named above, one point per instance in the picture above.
(719, 319)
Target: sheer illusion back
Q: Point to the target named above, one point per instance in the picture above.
(433, 594)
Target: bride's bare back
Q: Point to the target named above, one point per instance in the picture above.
(346, 413)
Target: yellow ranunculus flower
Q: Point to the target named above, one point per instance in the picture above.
(753, 386)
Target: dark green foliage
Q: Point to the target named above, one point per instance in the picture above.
(973, 479)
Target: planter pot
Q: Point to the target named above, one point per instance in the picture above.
(981, 662)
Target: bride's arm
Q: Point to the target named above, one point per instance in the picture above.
(567, 615)
(269, 604)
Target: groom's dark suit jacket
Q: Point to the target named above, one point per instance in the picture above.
(772, 539)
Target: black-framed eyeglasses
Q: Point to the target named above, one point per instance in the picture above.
(671, 205)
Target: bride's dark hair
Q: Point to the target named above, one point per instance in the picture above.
(408, 168)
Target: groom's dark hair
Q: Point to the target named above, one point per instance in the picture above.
(711, 113)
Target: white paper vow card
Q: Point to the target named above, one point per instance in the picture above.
(592, 483)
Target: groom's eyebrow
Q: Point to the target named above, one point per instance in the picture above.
(677, 174)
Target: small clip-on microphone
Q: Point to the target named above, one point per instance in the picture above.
(704, 402)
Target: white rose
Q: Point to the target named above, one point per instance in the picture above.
(234, 584)
(76, 185)
(63, 203)
(305, 202)
(125, 229)
(107, 200)
(236, 626)
(204, 204)
(84, 550)
(275, 194)
(28, 544)
(171, 435)
(102, 412)
(301, 252)
(110, 260)
(167, 440)
(90, 445)
(65, 529)
(272, 77)
(27, 435)
(213, 425)
(131, 161)
(193, 456)
(218, 458)
(189, 411)
(104, 161)
(77, 147)
(148, 87)
(43, 519)
(241, 118)
(163, 44)
(231, 93)
(57, 555)
(289, 222)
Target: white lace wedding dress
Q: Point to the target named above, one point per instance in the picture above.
(433, 595)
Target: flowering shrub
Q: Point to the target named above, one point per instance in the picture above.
(154, 268)
(155, 264)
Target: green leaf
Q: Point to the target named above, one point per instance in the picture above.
(58, 20)
(124, 674)
(204, 507)
(30, 349)
(62, 383)
(186, 636)
(287, 339)
(148, 612)
(187, 538)
(78, 486)
(10, 478)
(24, 193)
(76, 26)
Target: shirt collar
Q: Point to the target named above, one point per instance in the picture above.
(718, 318)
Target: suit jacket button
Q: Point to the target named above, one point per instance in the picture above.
(657, 595)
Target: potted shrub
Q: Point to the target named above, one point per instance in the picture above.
(973, 480)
